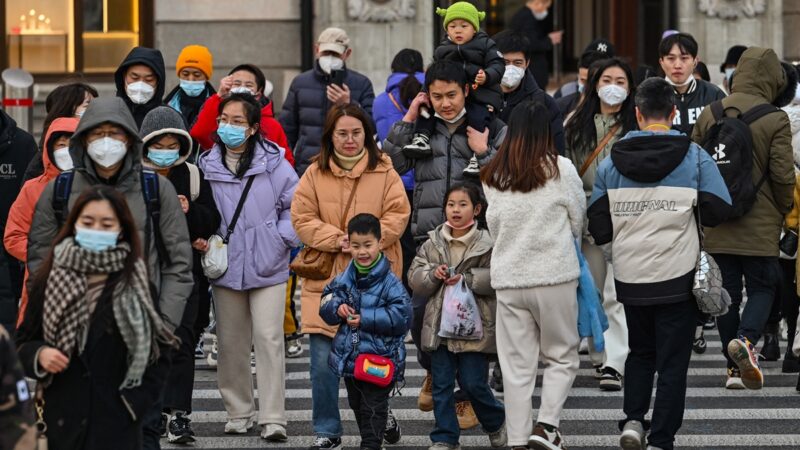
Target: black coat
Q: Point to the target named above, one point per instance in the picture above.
(568, 103)
(529, 90)
(479, 53)
(305, 107)
(17, 149)
(84, 407)
(151, 58)
(699, 95)
(541, 46)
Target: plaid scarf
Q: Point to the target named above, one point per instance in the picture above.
(66, 309)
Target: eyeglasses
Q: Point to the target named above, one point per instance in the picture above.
(344, 136)
(235, 122)
(117, 134)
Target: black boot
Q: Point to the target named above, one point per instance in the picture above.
(790, 362)
(771, 351)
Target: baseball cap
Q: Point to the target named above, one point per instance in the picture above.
(334, 40)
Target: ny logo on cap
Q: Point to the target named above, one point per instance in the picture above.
(602, 47)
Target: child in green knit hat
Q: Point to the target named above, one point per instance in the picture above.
(484, 66)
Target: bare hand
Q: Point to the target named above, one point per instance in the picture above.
(345, 310)
(413, 110)
(555, 37)
(225, 86)
(184, 203)
(478, 141)
(452, 280)
(354, 320)
(200, 245)
(480, 78)
(52, 360)
(338, 94)
(441, 272)
(344, 243)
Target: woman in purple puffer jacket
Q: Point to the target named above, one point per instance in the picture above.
(250, 296)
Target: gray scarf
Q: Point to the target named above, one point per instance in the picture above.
(66, 309)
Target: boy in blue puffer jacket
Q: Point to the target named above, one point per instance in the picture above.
(374, 311)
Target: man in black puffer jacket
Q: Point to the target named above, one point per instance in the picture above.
(140, 81)
(313, 92)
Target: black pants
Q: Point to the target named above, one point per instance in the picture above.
(786, 301)
(370, 404)
(478, 117)
(180, 381)
(660, 339)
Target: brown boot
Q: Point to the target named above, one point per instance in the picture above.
(425, 401)
(466, 415)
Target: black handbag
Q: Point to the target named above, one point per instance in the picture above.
(788, 243)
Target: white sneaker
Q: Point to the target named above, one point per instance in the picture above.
(239, 426)
(632, 437)
(273, 432)
(214, 354)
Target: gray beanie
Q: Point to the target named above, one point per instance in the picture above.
(165, 120)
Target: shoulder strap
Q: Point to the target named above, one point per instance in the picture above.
(758, 112)
(349, 203)
(599, 148)
(396, 103)
(235, 218)
(61, 192)
(152, 202)
(700, 234)
(194, 181)
(717, 110)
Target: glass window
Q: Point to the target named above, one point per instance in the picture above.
(39, 35)
(110, 31)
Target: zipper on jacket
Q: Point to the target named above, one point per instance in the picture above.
(449, 162)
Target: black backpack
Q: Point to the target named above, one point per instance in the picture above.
(730, 144)
(152, 201)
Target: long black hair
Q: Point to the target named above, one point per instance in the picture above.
(252, 111)
(62, 102)
(580, 131)
(408, 61)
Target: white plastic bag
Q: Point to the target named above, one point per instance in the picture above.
(461, 318)
(215, 260)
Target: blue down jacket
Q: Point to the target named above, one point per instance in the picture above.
(385, 309)
(592, 320)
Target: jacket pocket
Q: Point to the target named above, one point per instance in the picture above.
(271, 255)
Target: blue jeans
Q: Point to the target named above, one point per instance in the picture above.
(472, 370)
(761, 276)
(324, 389)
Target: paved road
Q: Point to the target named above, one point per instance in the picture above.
(715, 418)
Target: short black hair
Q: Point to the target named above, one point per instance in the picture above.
(364, 223)
(684, 41)
(655, 98)
(261, 80)
(445, 70)
(510, 41)
(702, 69)
(591, 57)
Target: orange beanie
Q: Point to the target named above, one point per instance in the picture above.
(195, 56)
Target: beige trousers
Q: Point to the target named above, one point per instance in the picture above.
(245, 319)
(616, 337)
(541, 320)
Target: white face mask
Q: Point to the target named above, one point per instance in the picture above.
(140, 92)
(541, 15)
(612, 95)
(329, 63)
(242, 90)
(512, 76)
(729, 73)
(797, 94)
(107, 151)
(454, 119)
(685, 83)
(62, 158)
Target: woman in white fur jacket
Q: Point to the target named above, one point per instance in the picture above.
(536, 211)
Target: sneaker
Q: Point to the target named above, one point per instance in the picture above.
(583, 347)
(272, 432)
(653, 447)
(419, 148)
(239, 426)
(496, 382)
(199, 352)
(162, 424)
(734, 379)
(598, 372)
(391, 434)
(699, 345)
(211, 359)
(444, 446)
(472, 169)
(744, 356)
(710, 324)
(541, 439)
(179, 429)
(293, 348)
(771, 350)
(466, 415)
(499, 438)
(425, 401)
(610, 380)
(325, 443)
(791, 364)
(632, 437)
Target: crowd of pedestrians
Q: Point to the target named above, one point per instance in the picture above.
(496, 225)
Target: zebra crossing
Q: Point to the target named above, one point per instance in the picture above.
(715, 418)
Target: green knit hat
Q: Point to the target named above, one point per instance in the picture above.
(464, 11)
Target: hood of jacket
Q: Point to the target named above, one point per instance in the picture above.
(59, 125)
(394, 80)
(106, 110)
(759, 73)
(647, 157)
(158, 122)
(267, 157)
(151, 58)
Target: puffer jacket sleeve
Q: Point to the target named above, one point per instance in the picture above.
(399, 136)
(43, 229)
(273, 131)
(600, 225)
(18, 224)
(331, 301)
(493, 65)
(420, 274)
(288, 117)
(285, 228)
(394, 317)
(176, 278)
(206, 123)
(203, 216)
(396, 209)
(479, 279)
(367, 97)
(305, 214)
(781, 165)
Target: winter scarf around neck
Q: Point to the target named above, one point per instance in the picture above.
(67, 316)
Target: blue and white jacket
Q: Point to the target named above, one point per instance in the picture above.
(644, 202)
